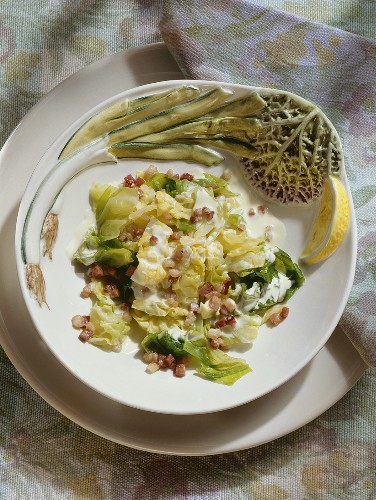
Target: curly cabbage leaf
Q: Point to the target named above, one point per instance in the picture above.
(296, 149)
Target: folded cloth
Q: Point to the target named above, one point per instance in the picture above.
(240, 42)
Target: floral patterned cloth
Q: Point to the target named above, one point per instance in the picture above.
(43, 455)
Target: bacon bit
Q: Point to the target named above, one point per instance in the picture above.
(96, 272)
(112, 290)
(262, 209)
(108, 270)
(161, 358)
(228, 306)
(129, 181)
(225, 286)
(188, 177)
(171, 302)
(126, 308)
(207, 213)
(137, 233)
(139, 181)
(241, 227)
(179, 370)
(150, 357)
(178, 253)
(216, 343)
(153, 240)
(214, 302)
(173, 279)
(193, 307)
(87, 291)
(79, 321)
(131, 269)
(229, 320)
(85, 335)
(168, 264)
(251, 212)
(176, 235)
(277, 318)
(196, 215)
(205, 289)
(190, 319)
(169, 360)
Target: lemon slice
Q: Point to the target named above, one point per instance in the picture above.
(330, 224)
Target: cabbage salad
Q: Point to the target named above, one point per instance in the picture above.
(173, 253)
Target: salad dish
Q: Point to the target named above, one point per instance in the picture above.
(186, 265)
(173, 252)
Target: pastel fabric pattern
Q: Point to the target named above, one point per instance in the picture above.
(44, 455)
(250, 44)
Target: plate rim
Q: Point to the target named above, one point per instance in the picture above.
(206, 407)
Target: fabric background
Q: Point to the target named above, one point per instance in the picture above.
(43, 454)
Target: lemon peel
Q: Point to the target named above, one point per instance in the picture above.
(330, 224)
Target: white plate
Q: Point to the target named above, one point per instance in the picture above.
(275, 356)
(319, 385)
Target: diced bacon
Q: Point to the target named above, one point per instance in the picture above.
(108, 270)
(131, 269)
(150, 357)
(205, 289)
(129, 181)
(179, 370)
(251, 212)
(226, 285)
(137, 233)
(153, 240)
(173, 279)
(139, 181)
(207, 213)
(85, 335)
(277, 318)
(96, 272)
(262, 209)
(112, 290)
(214, 302)
(175, 272)
(187, 176)
(176, 235)
(79, 321)
(228, 320)
(87, 291)
(190, 319)
(229, 305)
(193, 307)
(169, 360)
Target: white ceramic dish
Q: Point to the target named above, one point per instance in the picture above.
(332, 372)
(276, 355)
